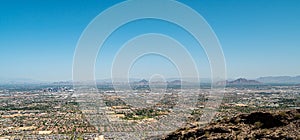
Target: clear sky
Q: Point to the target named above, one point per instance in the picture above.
(38, 37)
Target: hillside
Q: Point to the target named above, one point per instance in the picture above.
(257, 125)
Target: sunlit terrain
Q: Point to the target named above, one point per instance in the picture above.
(52, 111)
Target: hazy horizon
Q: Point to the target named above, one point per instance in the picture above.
(187, 79)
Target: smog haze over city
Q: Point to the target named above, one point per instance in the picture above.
(149, 69)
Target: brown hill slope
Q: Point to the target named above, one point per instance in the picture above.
(257, 125)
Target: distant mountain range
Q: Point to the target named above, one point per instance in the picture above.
(171, 81)
(280, 79)
(264, 80)
(240, 81)
(18, 81)
(243, 81)
(146, 83)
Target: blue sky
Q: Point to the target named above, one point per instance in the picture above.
(258, 37)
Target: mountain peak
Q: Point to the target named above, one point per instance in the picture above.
(243, 81)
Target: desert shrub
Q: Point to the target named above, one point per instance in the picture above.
(258, 124)
(283, 114)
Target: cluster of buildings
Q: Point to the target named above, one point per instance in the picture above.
(61, 113)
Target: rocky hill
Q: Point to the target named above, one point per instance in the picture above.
(243, 81)
(257, 125)
(240, 81)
